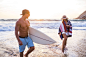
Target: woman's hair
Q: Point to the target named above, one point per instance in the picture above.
(64, 19)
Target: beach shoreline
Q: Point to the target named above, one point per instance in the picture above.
(75, 44)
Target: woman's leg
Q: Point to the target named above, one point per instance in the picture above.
(64, 42)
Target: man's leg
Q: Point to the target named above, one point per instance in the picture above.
(21, 54)
(22, 47)
(29, 51)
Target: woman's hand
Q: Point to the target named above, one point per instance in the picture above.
(59, 33)
(68, 25)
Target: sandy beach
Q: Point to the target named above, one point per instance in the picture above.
(76, 45)
(45, 16)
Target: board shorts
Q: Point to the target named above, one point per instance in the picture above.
(26, 41)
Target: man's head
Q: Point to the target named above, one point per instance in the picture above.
(26, 13)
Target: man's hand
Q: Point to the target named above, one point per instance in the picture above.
(20, 43)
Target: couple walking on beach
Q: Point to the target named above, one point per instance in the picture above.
(21, 32)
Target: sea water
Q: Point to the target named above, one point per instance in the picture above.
(10, 25)
(7, 31)
(7, 28)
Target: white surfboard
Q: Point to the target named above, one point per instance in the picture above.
(39, 37)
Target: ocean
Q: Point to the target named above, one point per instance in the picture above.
(10, 25)
(9, 44)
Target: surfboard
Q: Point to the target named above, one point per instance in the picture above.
(39, 37)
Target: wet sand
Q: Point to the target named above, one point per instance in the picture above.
(76, 46)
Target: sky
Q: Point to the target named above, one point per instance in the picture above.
(42, 9)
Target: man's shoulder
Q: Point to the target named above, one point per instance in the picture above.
(27, 20)
(18, 21)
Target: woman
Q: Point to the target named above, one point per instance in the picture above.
(65, 31)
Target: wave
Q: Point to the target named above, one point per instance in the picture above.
(43, 19)
(10, 26)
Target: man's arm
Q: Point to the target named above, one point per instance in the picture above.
(16, 32)
(28, 23)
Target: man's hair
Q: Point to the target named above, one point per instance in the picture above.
(25, 11)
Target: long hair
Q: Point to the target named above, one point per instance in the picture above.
(65, 19)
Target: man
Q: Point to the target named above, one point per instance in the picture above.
(21, 32)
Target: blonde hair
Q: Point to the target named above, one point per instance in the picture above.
(64, 19)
